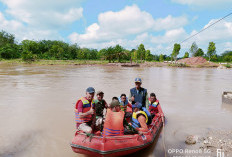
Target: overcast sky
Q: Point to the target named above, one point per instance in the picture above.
(103, 23)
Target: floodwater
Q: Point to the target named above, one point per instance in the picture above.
(37, 104)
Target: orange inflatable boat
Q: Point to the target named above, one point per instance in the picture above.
(98, 145)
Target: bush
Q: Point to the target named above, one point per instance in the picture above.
(228, 66)
(28, 56)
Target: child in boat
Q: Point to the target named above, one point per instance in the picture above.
(153, 105)
(100, 110)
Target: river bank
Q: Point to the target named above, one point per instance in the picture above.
(116, 64)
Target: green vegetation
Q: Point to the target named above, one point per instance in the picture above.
(193, 49)
(186, 55)
(175, 51)
(178, 65)
(228, 65)
(211, 50)
(52, 50)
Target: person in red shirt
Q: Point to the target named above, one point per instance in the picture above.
(153, 105)
(84, 111)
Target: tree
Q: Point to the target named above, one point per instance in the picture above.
(186, 55)
(109, 54)
(134, 55)
(148, 56)
(161, 58)
(175, 51)
(193, 49)
(141, 52)
(211, 50)
(214, 58)
(6, 38)
(227, 56)
(199, 52)
(30, 45)
(9, 51)
(118, 50)
(8, 48)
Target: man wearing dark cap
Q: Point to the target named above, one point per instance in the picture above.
(139, 94)
(84, 111)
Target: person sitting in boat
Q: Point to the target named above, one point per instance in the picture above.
(113, 125)
(84, 111)
(100, 110)
(124, 102)
(153, 105)
(140, 117)
(139, 94)
(115, 98)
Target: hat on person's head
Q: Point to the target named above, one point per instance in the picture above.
(90, 90)
(100, 92)
(137, 105)
(138, 80)
(114, 103)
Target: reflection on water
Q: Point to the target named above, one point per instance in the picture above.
(36, 104)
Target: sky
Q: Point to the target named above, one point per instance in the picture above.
(97, 24)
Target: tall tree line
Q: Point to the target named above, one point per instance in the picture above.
(59, 50)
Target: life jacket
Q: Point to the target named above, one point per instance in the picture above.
(140, 96)
(86, 107)
(122, 104)
(145, 112)
(113, 125)
(153, 106)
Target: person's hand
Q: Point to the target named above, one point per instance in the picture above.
(91, 111)
(132, 98)
(162, 118)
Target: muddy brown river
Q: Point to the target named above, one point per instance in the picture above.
(37, 104)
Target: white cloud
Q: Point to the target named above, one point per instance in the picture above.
(130, 21)
(45, 14)
(220, 34)
(170, 36)
(21, 32)
(170, 23)
(11, 25)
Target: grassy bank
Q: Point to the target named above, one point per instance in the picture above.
(106, 62)
(54, 62)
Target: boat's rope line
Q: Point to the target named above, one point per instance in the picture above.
(165, 154)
